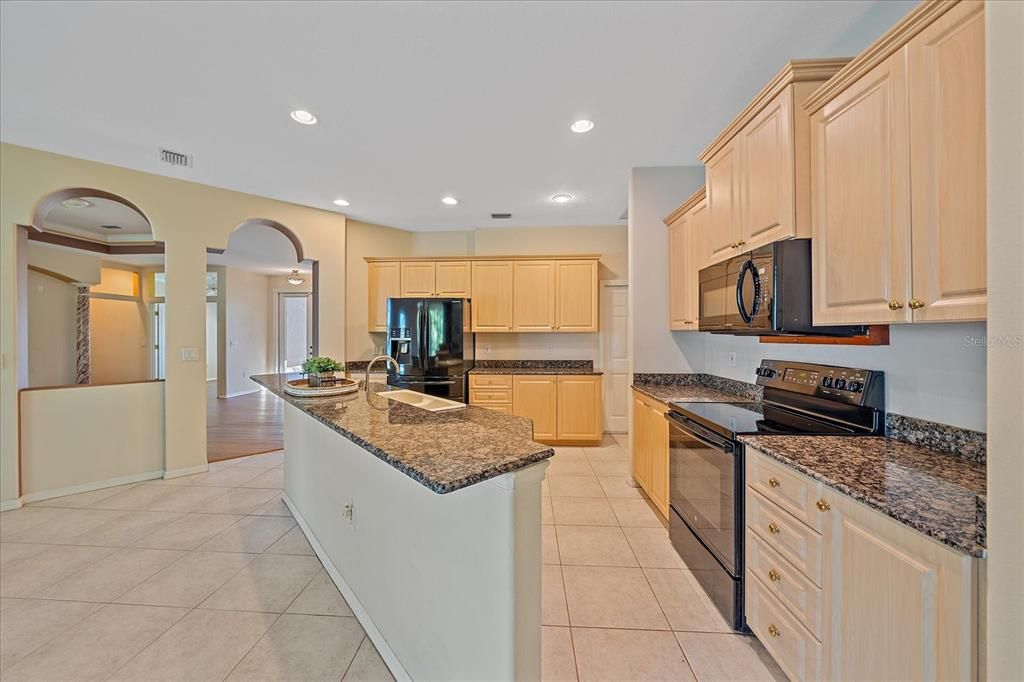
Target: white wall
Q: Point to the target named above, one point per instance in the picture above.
(51, 330)
(211, 341)
(653, 194)
(245, 335)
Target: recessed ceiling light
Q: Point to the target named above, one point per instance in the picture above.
(304, 117)
(561, 198)
(451, 201)
(76, 202)
(582, 126)
(341, 202)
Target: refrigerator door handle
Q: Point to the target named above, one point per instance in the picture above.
(423, 334)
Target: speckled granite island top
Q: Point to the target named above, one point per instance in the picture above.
(938, 494)
(445, 451)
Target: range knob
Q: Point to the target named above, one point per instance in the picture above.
(827, 382)
(854, 386)
(765, 372)
(840, 384)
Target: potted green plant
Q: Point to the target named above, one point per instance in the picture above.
(320, 370)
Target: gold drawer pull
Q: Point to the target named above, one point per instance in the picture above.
(823, 505)
(895, 305)
(774, 482)
(774, 529)
(774, 576)
(773, 630)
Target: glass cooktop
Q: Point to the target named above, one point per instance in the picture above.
(732, 419)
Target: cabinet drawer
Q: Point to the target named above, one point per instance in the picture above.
(490, 381)
(792, 491)
(504, 409)
(797, 543)
(795, 649)
(788, 585)
(501, 396)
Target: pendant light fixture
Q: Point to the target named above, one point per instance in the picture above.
(295, 278)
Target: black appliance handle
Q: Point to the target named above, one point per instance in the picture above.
(423, 333)
(426, 382)
(702, 434)
(748, 267)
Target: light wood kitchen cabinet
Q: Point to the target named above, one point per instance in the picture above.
(946, 80)
(650, 450)
(536, 397)
(534, 286)
(579, 417)
(418, 278)
(384, 283)
(576, 298)
(492, 296)
(452, 279)
(758, 169)
(685, 238)
(898, 179)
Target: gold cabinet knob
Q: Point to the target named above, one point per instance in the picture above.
(895, 305)
(774, 529)
(823, 505)
(740, 243)
(774, 482)
(774, 576)
(773, 630)
(915, 304)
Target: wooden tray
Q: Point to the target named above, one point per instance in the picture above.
(300, 388)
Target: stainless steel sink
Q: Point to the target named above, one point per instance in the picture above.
(431, 403)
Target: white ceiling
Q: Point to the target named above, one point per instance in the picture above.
(416, 100)
(88, 222)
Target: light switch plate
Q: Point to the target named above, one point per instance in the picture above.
(190, 354)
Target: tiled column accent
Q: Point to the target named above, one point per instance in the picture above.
(83, 345)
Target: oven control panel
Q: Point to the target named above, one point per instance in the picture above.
(862, 387)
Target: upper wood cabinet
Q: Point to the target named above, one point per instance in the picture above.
(492, 296)
(534, 296)
(452, 279)
(536, 397)
(898, 181)
(579, 417)
(757, 169)
(685, 258)
(418, 278)
(384, 283)
(577, 293)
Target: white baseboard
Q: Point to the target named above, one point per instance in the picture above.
(178, 473)
(88, 487)
(383, 648)
(238, 393)
(11, 505)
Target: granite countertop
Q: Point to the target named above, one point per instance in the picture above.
(445, 451)
(938, 494)
(692, 393)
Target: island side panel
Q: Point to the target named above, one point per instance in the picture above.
(451, 582)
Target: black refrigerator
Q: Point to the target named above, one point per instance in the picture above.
(431, 341)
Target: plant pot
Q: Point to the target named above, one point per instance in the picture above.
(322, 379)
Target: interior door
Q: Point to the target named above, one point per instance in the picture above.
(615, 356)
(294, 331)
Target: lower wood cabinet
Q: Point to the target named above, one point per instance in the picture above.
(650, 449)
(564, 408)
(853, 594)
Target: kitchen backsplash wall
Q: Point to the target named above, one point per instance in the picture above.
(534, 346)
(933, 371)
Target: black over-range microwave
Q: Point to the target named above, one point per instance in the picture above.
(764, 292)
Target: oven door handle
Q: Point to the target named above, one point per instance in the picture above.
(702, 434)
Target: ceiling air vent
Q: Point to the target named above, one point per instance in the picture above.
(111, 227)
(501, 216)
(175, 158)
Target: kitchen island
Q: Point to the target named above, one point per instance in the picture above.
(428, 522)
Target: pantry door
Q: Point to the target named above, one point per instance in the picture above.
(615, 355)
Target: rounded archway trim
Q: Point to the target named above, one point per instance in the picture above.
(51, 200)
(273, 224)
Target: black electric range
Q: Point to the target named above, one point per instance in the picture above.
(706, 462)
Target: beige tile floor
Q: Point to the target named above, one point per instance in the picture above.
(208, 577)
(202, 577)
(618, 603)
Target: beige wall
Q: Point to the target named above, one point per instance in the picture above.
(365, 239)
(188, 218)
(1004, 24)
(79, 266)
(81, 454)
(51, 331)
(609, 241)
(120, 340)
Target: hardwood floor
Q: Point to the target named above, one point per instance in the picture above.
(244, 425)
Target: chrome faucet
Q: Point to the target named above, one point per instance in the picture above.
(366, 384)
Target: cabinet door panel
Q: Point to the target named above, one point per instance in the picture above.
(576, 300)
(657, 446)
(534, 309)
(767, 171)
(677, 265)
(536, 397)
(492, 296)
(452, 279)
(861, 201)
(384, 283)
(723, 188)
(694, 238)
(579, 408)
(946, 77)
(417, 278)
(641, 464)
